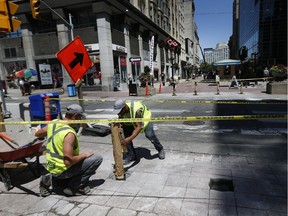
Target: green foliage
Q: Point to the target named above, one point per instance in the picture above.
(278, 72)
(145, 77)
(205, 67)
(278, 69)
(147, 69)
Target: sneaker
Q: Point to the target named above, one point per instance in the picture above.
(128, 161)
(45, 183)
(161, 154)
(79, 191)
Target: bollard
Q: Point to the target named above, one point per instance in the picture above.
(195, 88)
(241, 89)
(174, 89)
(118, 148)
(47, 108)
(160, 88)
(218, 90)
(147, 89)
(173, 83)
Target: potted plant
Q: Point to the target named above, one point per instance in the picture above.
(145, 77)
(278, 72)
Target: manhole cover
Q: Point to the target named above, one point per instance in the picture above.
(221, 184)
(193, 123)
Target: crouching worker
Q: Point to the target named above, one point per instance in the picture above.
(69, 170)
(132, 129)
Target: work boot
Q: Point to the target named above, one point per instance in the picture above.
(161, 154)
(85, 190)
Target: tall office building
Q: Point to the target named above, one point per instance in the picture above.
(191, 37)
(263, 30)
(220, 52)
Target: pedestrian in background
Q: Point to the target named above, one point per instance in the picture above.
(266, 72)
(132, 129)
(67, 167)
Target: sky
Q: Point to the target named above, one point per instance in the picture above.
(214, 21)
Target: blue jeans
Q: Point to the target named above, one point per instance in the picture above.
(78, 175)
(149, 133)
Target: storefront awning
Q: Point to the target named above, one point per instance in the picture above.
(227, 62)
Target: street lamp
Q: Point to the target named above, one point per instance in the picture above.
(171, 59)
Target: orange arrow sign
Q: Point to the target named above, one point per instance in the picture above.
(75, 59)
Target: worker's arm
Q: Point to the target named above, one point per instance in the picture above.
(138, 128)
(68, 147)
(134, 134)
(41, 133)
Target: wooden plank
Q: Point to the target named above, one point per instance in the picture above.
(117, 150)
(13, 165)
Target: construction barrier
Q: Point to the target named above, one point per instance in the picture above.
(47, 108)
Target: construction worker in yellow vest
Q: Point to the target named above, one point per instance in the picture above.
(69, 170)
(132, 129)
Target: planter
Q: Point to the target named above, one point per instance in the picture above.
(279, 76)
(276, 88)
(142, 91)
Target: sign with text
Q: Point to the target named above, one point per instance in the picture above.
(45, 74)
(151, 55)
(75, 59)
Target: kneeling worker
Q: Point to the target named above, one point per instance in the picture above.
(66, 165)
(131, 130)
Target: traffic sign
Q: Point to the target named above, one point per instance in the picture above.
(135, 59)
(75, 59)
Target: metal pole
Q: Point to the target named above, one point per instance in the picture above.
(71, 26)
(57, 14)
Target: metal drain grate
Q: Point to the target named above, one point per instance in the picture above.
(221, 184)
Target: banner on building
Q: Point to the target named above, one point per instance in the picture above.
(151, 54)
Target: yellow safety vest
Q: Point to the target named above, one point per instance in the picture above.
(56, 134)
(133, 107)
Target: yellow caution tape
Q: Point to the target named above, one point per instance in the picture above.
(159, 119)
(179, 101)
(229, 80)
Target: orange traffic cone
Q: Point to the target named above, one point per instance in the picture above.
(147, 90)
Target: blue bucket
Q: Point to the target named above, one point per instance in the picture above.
(71, 90)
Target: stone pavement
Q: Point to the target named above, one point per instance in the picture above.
(178, 185)
(184, 90)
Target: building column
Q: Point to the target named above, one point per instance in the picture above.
(28, 48)
(140, 41)
(127, 45)
(63, 40)
(106, 53)
(158, 60)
